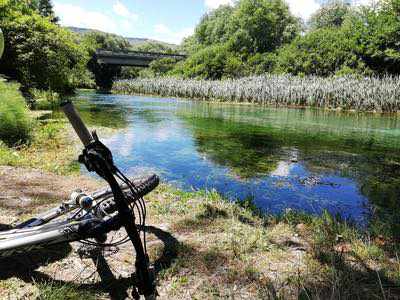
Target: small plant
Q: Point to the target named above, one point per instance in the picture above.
(45, 100)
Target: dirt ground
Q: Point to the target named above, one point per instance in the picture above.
(200, 246)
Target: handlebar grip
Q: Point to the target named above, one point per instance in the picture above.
(77, 123)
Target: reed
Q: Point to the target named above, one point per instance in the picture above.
(347, 93)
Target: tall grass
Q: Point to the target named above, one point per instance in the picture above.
(15, 123)
(348, 93)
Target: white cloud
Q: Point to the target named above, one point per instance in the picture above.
(212, 4)
(121, 10)
(73, 15)
(162, 29)
(303, 8)
(164, 33)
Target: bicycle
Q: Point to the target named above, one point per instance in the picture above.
(89, 218)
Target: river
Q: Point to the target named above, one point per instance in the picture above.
(303, 159)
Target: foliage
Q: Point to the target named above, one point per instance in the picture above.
(375, 33)
(45, 100)
(229, 36)
(208, 63)
(162, 66)
(362, 94)
(331, 14)
(261, 36)
(38, 53)
(153, 46)
(263, 25)
(45, 9)
(49, 150)
(322, 52)
(215, 27)
(128, 72)
(104, 74)
(15, 123)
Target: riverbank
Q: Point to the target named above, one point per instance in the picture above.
(202, 245)
(338, 93)
(211, 249)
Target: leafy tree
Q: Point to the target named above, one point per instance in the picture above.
(151, 46)
(162, 66)
(249, 27)
(264, 24)
(376, 35)
(322, 52)
(331, 14)
(104, 74)
(229, 36)
(38, 53)
(208, 63)
(46, 10)
(216, 26)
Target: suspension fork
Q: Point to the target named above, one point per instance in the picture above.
(127, 218)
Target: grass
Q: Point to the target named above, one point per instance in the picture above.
(227, 250)
(56, 291)
(48, 150)
(347, 93)
(45, 100)
(15, 122)
(219, 249)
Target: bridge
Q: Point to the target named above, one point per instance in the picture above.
(132, 58)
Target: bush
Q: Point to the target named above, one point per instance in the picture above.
(322, 52)
(38, 53)
(15, 123)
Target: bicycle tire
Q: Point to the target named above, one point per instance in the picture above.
(26, 239)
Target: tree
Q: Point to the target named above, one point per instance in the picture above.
(162, 66)
(208, 63)
(322, 52)
(375, 32)
(38, 53)
(215, 27)
(265, 25)
(331, 14)
(46, 10)
(229, 36)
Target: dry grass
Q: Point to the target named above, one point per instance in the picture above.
(204, 247)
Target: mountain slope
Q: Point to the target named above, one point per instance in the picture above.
(132, 40)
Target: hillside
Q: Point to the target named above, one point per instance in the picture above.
(132, 40)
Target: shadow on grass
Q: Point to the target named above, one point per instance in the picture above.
(351, 278)
(25, 267)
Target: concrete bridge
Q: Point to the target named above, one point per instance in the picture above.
(132, 58)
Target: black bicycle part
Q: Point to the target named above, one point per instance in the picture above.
(98, 158)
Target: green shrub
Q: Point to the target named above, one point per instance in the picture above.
(15, 123)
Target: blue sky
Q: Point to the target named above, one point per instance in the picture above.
(165, 20)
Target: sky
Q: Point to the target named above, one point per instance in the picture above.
(165, 20)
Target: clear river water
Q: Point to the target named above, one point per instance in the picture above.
(304, 159)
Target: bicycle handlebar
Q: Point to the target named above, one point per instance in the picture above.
(77, 123)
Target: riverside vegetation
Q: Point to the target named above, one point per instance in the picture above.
(217, 249)
(361, 94)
